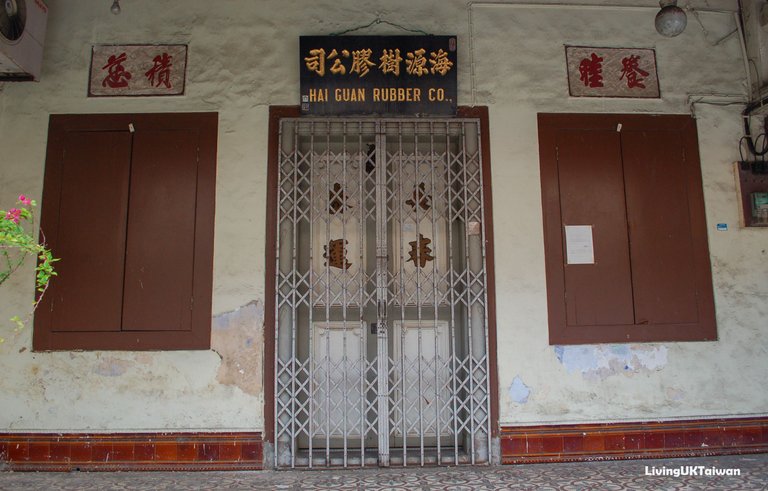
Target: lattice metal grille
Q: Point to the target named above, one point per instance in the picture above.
(381, 322)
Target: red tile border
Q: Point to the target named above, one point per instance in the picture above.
(615, 442)
(694, 438)
(634, 441)
(131, 451)
(252, 452)
(167, 452)
(18, 451)
(208, 452)
(594, 442)
(187, 451)
(144, 451)
(245, 451)
(653, 440)
(230, 451)
(674, 439)
(662, 439)
(553, 444)
(534, 444)
(61, 452)
(80, 452)
(572, 444)
(39, 451)
(101, 452)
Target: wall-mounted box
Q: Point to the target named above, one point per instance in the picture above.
(752, 189)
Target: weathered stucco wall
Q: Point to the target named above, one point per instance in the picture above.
(542, 383)
(243, 56)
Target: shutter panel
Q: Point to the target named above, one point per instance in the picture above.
(90, 237)
(592, 193)
(159, 265)
(637, 180)
(663, 271)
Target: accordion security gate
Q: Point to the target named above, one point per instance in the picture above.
(381, 306)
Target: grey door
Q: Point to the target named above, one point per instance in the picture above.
(381, 306)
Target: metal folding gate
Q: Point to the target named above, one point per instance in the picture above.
(381, 306)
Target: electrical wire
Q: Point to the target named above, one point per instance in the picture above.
(376, 21)
(741, 149)
(753, 145)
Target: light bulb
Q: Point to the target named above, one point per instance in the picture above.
(10, 7)
(115, 9)
(671, 19)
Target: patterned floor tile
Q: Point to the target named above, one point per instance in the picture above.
(603, 476)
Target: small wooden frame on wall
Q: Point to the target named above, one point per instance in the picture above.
(137, 70)
(612, 72)
(752, 190)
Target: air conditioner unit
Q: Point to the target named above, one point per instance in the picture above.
(22, 32)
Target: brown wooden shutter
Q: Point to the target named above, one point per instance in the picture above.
(592, 193)
(90, 236)
(128, 206)
(637, 180)
(161, 231)
(663, 270)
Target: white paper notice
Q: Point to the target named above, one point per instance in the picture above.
(578, 242)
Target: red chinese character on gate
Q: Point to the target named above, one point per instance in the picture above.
(420, 198)
(336, 254)
(161, 69)
(631, 69)
(591, 70)
(118, 76)
(420, 251)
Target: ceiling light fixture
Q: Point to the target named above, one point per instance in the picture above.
(671, 19)
(115, 9)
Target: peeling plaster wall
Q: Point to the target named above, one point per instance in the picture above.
(239, 344)
(86, 391)
(243, 56)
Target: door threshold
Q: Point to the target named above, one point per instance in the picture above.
(413, 457)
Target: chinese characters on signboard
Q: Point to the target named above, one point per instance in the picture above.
(137, 70)
(378, 74)
(612, 72)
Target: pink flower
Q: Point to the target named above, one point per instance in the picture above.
(24, 199)
(13, 215)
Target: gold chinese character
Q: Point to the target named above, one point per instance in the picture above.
(390, 61)
(416, 63)
(361, 62)
(316, 61)
(440, 62)
(420, 198)
(420, 251)
(338, 68)
(336, 254)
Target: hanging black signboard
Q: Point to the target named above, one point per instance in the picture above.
(385, 75)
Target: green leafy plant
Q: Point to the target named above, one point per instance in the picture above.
(17, 242)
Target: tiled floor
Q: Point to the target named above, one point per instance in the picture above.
(610, 476)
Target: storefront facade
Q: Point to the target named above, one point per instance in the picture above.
(318, 325)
